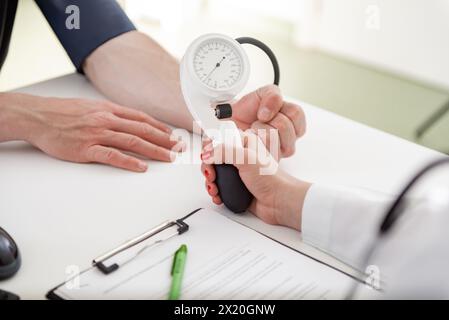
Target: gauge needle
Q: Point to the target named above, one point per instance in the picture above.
(216, 66)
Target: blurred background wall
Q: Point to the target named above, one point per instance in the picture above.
(381, 62)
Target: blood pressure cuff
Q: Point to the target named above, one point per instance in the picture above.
(7, 15)
(99, 21)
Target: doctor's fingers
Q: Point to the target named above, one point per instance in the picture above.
(137, 145)
(269, 136)
(217, 200)
(241, 158)
(296, 116)
(206, 142)
(287, 134)
(208, 171)
(249, 140)
(211, 188)
(271, 102)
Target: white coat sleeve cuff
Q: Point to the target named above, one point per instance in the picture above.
(317, 215)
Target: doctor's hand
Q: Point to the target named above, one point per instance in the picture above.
(265, 109)
(278, 197)
(80, 130)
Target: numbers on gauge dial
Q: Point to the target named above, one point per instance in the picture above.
(217, 64)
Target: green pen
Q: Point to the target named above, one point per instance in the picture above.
(177, 272)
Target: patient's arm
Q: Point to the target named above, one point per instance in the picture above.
(134, 70)
(83, 130)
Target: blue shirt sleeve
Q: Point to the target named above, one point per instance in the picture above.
(100, 21)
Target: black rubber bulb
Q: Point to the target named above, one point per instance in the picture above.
(233, 192)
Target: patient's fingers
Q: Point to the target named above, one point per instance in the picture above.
(127, 142)
(115, 158)
(144, 131)
(136, 115)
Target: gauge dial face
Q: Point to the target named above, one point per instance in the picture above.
(218, 64)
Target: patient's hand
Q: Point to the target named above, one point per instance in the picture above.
(265, 109)
(278, 196)
(82, 130)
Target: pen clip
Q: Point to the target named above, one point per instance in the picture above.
(99, 261)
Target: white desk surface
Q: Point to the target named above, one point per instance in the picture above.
(63, 214)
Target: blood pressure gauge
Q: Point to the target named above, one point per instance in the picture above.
(214, 69)
(220, 65)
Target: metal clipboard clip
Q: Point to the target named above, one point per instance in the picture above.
(181, 228)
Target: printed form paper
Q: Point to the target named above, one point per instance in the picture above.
(225, 260)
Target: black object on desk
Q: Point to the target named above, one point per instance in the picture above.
(10, 260)
(5, 295)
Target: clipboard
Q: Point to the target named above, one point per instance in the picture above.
(226, 260)
(99, 262)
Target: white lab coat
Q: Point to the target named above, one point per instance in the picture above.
(412, 260)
